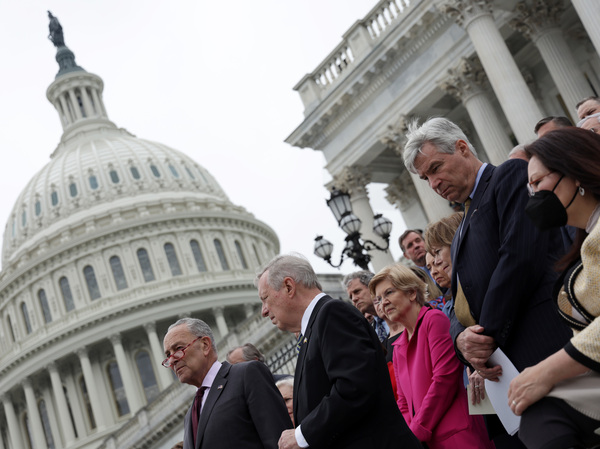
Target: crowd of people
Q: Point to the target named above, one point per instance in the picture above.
(517, 269)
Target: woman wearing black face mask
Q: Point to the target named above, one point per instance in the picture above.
(560, 396)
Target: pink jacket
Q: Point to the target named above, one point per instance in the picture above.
(431, 395)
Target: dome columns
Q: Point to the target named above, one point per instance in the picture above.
(61, 404)
(14, 431)
(91, 385)
(133, 397)
(164, 377)
(37, 430)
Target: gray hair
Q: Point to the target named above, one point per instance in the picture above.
(198, 328)
(285, 381)
(294, 266)
(249, 352)
(363, 276)
(438, 131)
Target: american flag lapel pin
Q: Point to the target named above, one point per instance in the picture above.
(220, 387)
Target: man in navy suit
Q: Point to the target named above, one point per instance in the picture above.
(343, 397)
(236, 405)
(502, 265)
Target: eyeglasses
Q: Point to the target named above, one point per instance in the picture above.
(177, 355)
(535, 182)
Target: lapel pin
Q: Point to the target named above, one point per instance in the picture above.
(305, 340)
(220, 387)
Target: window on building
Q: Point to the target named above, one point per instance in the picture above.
(116, 384)
(134, 172)
(189, 172)
(54, 198)
(221, 254)
(114, 176)
(91, 282)
(24, 219)
(238, 248)
(174, 171)
(87, 403)
(26, 319)
(28, 432)
(38, 208)
(145, 265)
(172, 259)
(118, 273)
(65, 289)
(93, 182)
(198, 255)
(73, 190)
(144, 366)
(70, 410)
(45, 306)
(46, 424)
(154, 170)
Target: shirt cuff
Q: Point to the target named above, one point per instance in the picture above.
(300, 438)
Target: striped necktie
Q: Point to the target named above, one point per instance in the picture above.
(299, 343)
(461, 305)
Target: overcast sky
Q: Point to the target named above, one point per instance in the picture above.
(211, 79)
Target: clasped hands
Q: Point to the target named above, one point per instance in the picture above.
(477, 348)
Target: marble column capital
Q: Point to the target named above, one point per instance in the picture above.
(150, 327)
(353, 180)
(218, 310)
(82, 352)
(465, 79)
(465, 11)
(401, 191)
(533, 19)
(115, 339)
(395, 137)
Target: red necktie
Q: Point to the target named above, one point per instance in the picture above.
(196, 411)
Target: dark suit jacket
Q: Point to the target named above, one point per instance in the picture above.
(505, 267)
(243, 409)
(343, 397)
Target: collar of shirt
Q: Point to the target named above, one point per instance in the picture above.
(308, 312)
(210, 378)
(479, 173)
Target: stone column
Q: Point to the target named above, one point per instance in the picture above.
(68, 118)
(129, 383)
(164, 377)
(79, 415)
(90, 384)
(220, 319)
(588, 12)
(61, 404)
(14, 431)
(87, 104)
(354, 180)
(541, 24)
(401, 192)
(465, 82)
(35, 422)
(57, 437)
(434, 206)
(518, 104)
(75, 104)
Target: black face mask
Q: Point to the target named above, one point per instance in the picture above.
(546, 211)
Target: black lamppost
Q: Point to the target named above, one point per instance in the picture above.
(355, 248)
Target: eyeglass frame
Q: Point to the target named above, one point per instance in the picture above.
(182, 350)
(530, 190)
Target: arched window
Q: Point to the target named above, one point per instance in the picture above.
(93, 182)
(25, 313)
(134, 172)
(145, 265)
(154, 170)
(38, 208)
(118, 273)
(240, 253)
(73, 189)
(114, 176)
(24, 219)
(172, 259)
(46, 424)
(54, 198)
(256, 254)
(65, 289)
(221, 254)
(118, 390)
(189, 172)
(87, 402)
(144, 366)
(45, 306)
(198, 255)
(91, 282)
(174, 171)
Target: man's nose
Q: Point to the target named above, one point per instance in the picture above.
(264, 311)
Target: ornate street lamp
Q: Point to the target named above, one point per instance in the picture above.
(355, 248)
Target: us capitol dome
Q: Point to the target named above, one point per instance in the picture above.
(111, 242)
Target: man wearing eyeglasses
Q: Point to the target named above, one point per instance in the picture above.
(502, 265)
(235, 405)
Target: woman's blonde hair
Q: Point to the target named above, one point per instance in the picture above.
(401, 278)
(442, 232)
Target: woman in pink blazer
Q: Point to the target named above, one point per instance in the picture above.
(431, 395)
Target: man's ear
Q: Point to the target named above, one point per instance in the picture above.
(290, 286)
(462, 147)
(206, 345)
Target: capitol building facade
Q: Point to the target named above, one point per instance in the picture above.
(111, 242)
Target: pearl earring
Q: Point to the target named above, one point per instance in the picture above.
(581, 191)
